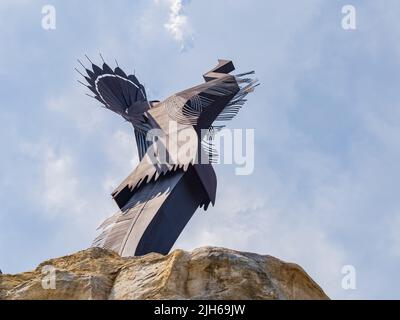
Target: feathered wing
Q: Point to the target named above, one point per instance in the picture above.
(246, 86)
(123, 94)
(191, 106)
(188, 106)
(118, 92)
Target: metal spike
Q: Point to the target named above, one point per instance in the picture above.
(101, 57)
(90, 96)
(83, 83)
(80, 62)
(88, 59)
(79, 72)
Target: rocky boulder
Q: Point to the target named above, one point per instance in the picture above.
(205, 273)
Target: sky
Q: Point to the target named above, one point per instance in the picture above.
(324, 191)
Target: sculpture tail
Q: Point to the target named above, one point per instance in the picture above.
(155, 215)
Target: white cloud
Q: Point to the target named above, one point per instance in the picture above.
(84, 111)
(63, 191)
(60, 185)
(178, 24)
(58, 189)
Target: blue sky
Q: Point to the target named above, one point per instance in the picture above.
(324, 192)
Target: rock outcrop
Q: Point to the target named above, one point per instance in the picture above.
(205, 273)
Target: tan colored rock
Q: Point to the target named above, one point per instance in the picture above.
(205, 273)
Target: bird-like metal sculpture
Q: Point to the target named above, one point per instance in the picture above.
(172, 179)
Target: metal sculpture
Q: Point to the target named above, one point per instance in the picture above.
(160, 196)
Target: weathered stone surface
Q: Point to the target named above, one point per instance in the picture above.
(205, 273)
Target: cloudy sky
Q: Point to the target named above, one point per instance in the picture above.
(324, 192)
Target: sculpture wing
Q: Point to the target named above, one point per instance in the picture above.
(118, 92)
(223, 94)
